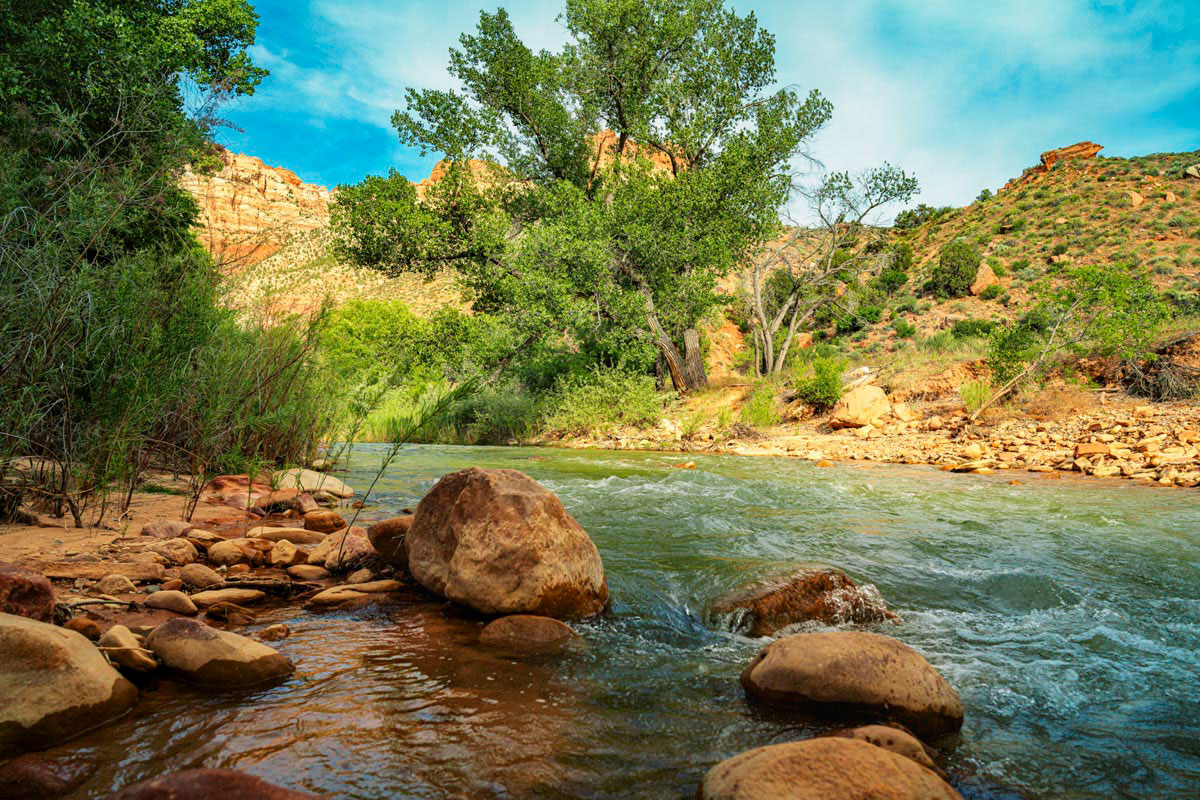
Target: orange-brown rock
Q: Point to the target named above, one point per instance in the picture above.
(855, 672)
(387, 537)
(898, 740)
(1079, 150)
(828, 768)
(983, 279)
(525, 630)
(818, 594)
(205, 784)
(25, 593)
(248, 209)
(859, 406)
(324, 521)
(497, 541)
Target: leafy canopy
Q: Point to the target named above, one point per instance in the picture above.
(596, 193)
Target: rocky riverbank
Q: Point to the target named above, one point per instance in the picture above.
(1156, 444)
(175, 600)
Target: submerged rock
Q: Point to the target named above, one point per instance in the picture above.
(856, 672)
(899, 741)
(211, 657)
(822, 769)
(818, 594)
(37, 777)
(25, 593)
(497, 541)
(206, 784)
(526, 631)
(55, 685)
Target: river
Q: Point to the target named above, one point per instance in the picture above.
(1066, 613)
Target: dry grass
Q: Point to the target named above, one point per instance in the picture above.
(1056, 400)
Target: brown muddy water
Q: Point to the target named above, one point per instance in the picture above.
(1066, 614)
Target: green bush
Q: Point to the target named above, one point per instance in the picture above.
(903, 328)
(601, 400)
(974, 394)
(823, 388)
(991, 292)
(955, 271)
(971, 328)
(761, 408)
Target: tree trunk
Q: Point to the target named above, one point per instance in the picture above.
(693, 368)
(670, 354)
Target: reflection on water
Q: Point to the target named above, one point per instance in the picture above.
(1066, 614)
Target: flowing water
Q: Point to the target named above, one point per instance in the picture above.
(1066, 614)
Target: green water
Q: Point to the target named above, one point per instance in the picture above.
(1065, 613)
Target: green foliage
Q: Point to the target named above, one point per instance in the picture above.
(761, 408)
(974, 394)
(984, 196)
(903, 328)
(823, 388)
(601, 400)
(611, 245)
(958, 263)
(922, 214)
(991, 292)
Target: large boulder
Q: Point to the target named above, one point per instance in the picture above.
(34, 776)
(211, 657)
(387, 537)
(25, 593)
(198, 576)
(55, 685)
(859, 406)
(307, 480)
(240, 551)
(497, 541)
(813, 594)
(206, 784)
(177, 552)
(856, 672)
(984, 278)
(343, 550)
(822, 769)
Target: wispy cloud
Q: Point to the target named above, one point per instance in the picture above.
(963, 94)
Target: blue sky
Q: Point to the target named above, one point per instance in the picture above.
(964, 94)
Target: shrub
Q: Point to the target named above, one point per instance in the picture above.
(903, 328)
(991, 292)
(600, 400)
(957, 266)
(761, 408)
(1059, 249)
(971, 328)
(974, 394)
(824, 387)
(890, 280)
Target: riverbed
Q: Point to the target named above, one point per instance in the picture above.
(1067, 615)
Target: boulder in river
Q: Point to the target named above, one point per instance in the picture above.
(343, 550)
(211, 657)
(812, 594)
(206, 784)
(855, 672)
(497, 541)
(324, 521)
(898, 740)
(34, 776)
(526, 631)
(236, 596)
(387, 537)
(55, 685)
(125, 649)
(25, 593)
(198, 576)
(822, 769)
(310, 481)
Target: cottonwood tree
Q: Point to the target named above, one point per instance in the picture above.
(596, 194)
(803, 270)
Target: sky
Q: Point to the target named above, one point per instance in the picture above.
(963, 94)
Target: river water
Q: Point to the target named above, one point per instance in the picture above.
(1066, 613)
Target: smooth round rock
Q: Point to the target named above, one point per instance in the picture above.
(211, 657)
(900, 742)
(124, 648)
(198, 576)
(387, 537)
(293, 535)
(526, 630)
(240, 597)
(87, 628)
(828, 768)
(176, 551)
(55, 685)
(497, 541)
(36, 777)
(856, 672)
(115, 584)
(307, 480)
(307, 572)
(175, 601)
(324, 521)
(208, 784)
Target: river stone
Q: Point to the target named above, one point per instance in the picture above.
(34, 776)
(239, 551)
(818, 594)
(206, 784)
(336, 557)
(526, 630)
(307, 572)
(55, 685)
(324, 521)
(898, 741)
(311, 481)
(285, 554)
(177, 552)
(293, 535)
(235, 596)
(165, 528)
(25, 593)
(387, 537)
(855, 671)
(340, 594)
(211, 657)
(175, 601)
(198, 576)
(497, 541)
(828, 768)
(115, 584)
(87, 628)
(126, 650)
